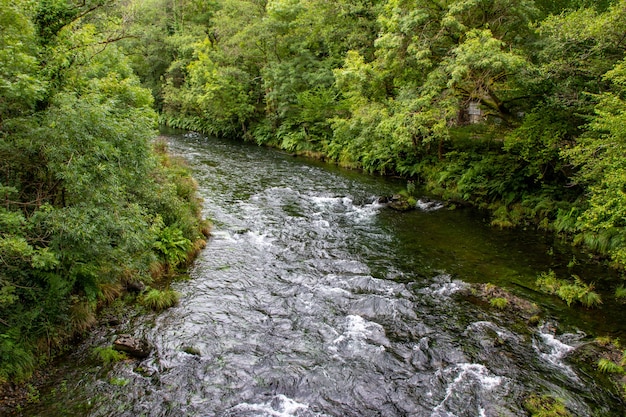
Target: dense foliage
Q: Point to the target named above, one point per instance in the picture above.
(515, 106)
(87, 204)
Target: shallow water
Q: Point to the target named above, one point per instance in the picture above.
(311, 299)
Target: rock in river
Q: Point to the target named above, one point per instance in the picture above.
(131, 345)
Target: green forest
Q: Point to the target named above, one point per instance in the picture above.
(517, 107)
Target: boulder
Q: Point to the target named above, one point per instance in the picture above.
(132, 346)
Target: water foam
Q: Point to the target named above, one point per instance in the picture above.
(470, 376)
(444, 286)
(429, 205)
(358, 332)
(502, 333)
(258, 239)
(345, 205)
(279, 406)
(553, 351)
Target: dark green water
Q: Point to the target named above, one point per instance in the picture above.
(311, 299)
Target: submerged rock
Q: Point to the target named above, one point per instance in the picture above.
(131, 345)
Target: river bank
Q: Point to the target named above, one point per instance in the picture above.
(72, 318)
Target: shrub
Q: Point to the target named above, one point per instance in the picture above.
(620, 292)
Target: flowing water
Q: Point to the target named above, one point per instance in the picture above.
(311, 299)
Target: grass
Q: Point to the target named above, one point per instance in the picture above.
(110, 292)
(82, 316)
(157, 300)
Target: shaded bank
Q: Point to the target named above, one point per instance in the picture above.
(170, 251)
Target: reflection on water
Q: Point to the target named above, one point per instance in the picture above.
(312, 299)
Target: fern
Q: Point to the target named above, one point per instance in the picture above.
(172, 245)
(568, 291)
(16, 361)
(548, 282)
(609, 367)
(590, 299)
(620, 292)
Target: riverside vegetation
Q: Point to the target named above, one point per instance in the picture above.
(89, 203)
(517, 107)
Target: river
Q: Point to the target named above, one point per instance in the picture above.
(312, 299)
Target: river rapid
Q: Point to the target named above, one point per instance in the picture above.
(312, 299)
